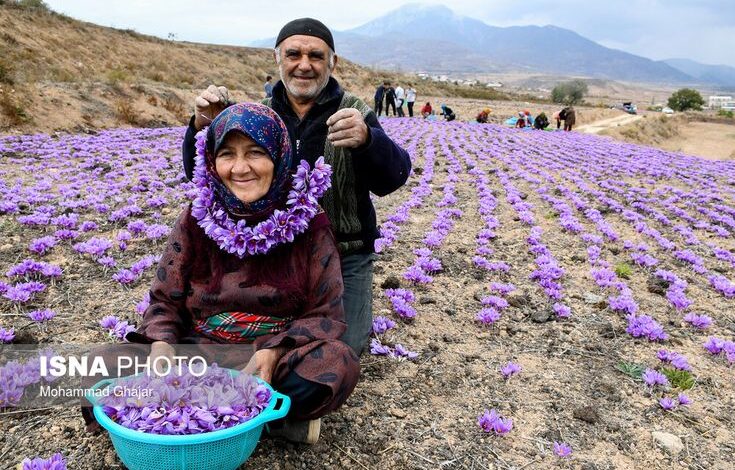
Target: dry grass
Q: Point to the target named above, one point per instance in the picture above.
(86, 69)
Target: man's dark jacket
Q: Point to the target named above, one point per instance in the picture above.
(380, 165)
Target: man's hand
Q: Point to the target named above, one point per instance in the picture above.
(209, 104)
(347, 128)
(264, 363)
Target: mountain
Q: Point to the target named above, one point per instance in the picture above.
(533, 48)
(432, 38)
(722, 75)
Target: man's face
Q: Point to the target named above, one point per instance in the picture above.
(304, 66)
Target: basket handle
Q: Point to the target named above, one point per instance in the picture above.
(283, 404)
(101, 384)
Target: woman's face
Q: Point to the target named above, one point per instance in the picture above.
(245, 167)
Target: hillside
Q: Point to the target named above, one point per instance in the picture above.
(59, 73)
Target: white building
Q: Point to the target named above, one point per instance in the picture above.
(716, 102)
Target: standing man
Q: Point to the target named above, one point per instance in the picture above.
(410, 98)
(268, 87)
(323, 119)
(379, 94)
(390, 99)
(400, 95)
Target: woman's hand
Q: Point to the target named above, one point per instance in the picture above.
(263, 363)
(161, 349)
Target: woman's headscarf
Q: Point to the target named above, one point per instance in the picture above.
(263, 125)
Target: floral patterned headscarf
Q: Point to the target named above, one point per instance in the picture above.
(263, 125)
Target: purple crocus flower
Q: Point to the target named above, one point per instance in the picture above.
(487, 316)
(562, 449)
(55, 462)
(42, 245)
(561, 310)
(714, 345)
(7, 336)
(379, 349)
(653, 377)
(684, 399)
(510, 369)
(698, 321)
(400, 351)
(382, 324)
(667, 403)
(41, 315)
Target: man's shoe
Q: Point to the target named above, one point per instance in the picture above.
(303, 432)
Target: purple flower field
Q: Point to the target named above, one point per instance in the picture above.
(541, 299)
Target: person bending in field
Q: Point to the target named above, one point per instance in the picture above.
(448, 113)
(426, 110)
(541, 122)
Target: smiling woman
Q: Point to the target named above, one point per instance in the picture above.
(244, 167)
(253, 263)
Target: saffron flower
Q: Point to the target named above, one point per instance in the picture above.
(41, 315)
(510, 369)
(379, 349)
(42, 245)
(491, 421)
(382, 324)
(55, 462)
(561, 310)
(698, 321)
(684, 399)
(487, 316)
(667, 403)
(653, 377)
(562, 449)
(7, 335)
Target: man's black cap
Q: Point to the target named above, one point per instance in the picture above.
(306, 27)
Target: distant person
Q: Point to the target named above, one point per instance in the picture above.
(390, 100)
(379, 94)
(521, 121)
(410, 99)
(268, 87)
(483, 116)
(400, 98)
(541, 122)
(426, 110)
(527, 116)
(448, 113)
(570, 118)
(557, 118)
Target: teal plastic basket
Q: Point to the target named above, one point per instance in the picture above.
(225, 449)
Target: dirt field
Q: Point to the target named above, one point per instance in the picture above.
(704, 139)
(422, 414)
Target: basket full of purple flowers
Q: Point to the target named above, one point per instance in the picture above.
(211, 420)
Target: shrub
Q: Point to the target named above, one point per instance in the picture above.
(125, 111)
(684, 99)
(623, 270)
(569, 93)
(681, 379)
(725, 113)
(115, 76)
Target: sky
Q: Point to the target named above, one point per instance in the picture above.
(657, 29)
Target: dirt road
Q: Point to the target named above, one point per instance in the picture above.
(598, 126)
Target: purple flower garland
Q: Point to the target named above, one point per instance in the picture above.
(236, 237)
